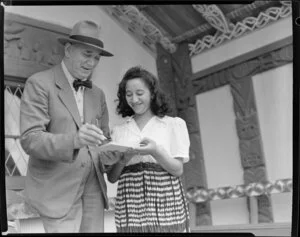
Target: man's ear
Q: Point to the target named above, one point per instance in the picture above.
(67, 50)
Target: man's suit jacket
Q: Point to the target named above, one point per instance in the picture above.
(49, 120)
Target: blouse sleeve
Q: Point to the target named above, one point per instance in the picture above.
(180, 141)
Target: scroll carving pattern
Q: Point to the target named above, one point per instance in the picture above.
(227, 31)
(214, 16)
(137, 24)
(177, 67)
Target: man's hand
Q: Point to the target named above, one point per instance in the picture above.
(88, 135)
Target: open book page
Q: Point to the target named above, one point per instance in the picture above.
(111, 146)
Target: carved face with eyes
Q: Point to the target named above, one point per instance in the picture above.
(247, 128)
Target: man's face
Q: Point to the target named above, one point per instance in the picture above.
(81, 60)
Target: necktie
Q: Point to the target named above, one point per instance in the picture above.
(77, 83)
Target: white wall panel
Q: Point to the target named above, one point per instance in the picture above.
(274, 94)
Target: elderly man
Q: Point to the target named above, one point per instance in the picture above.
(63, 115)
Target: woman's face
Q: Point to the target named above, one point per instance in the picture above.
(138, 96)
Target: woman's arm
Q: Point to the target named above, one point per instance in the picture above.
(114, 172)
(173, 166)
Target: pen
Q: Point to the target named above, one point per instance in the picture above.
(96, 122)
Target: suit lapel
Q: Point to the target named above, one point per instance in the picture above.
(66, 94)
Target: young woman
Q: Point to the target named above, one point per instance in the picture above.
(150, 196)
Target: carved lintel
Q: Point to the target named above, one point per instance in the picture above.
(211, 81)
(264, 62)
(248, 68)
(29, 47)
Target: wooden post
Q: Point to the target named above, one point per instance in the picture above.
(174, 72)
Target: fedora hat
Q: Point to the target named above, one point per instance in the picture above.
(87, 33)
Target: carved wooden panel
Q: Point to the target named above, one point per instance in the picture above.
(165, 74)
(250, 144)
(190, 118)
(203, 217)
(186, 105)
(251, 67)
(193, 176)
(182, 69)
(247, 123)
(174, 71)
(255, 174)
(265, 214)
(251, 153)
(30, 45)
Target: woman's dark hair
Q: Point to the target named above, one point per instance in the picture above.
(159, 104)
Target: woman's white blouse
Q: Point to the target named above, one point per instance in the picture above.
(169, 132)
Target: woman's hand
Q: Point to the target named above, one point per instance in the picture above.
(147, 147)
(127, 156)
(170, 164)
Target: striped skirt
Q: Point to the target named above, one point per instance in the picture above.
(149, 199)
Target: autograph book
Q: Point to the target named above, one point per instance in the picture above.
(111, 146)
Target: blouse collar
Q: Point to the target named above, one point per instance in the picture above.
(130, 119)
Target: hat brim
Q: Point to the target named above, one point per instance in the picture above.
(102, 51)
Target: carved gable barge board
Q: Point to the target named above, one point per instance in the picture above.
(30, 45)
